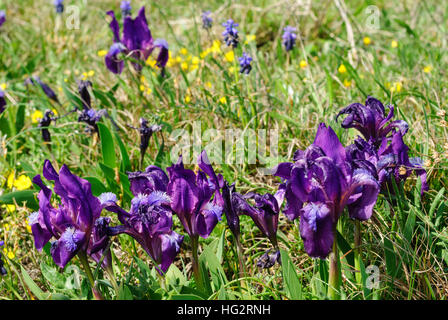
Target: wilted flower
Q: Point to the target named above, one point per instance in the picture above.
(320, 184)
(245, 61)
(269, 258)
(289, 38)
(146, 133)
(195, 199)
(149, 222)
(44, 123)
(83, 89)
(72, 223)
(126, 9)
(231, 33)
(47, 90)
(136, 41)
(232, 200)
(2, 17)
(207, 21)
(91, 117)
(2, 101)
(59, 5)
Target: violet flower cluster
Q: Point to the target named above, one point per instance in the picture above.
(2, 267)
(230, 34)
(245, 62)
(2, 17)
(381, 143)
(2, 101)
(59, 6)
(136, 41)
(289, 38)
(207, 21)
(126, 9)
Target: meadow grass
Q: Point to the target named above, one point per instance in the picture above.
(405, 64)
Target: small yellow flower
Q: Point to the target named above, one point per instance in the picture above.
(367, 41)
(151, 62)
(223, 100)
(65, 80)
(347, 83)
(11, 255)
(208, 84)
(204, 53)
(9, 207)
(102, 53)
(195, 60)
(187, 98)
(303, 64)
(28, 228)
(36, 116)
(216, 47)
(22, 183)
(148, 91)
(342, 69)
(3, 86)
(10, 182)
(232, 69)
(183, 51)
(250, 38)
(184, 66)
(396, 87)
(91, 73)
(427, 69)
(6, 227)
(142, 87)
(394, 44)
(230, 56)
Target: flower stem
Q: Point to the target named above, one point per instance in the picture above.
(334, 282)
(83, 258)
(357, 252)
(196, 270)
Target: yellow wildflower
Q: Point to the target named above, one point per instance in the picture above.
(367, 41)
(151, 62)
(394, 44)
(303, 64)
(223, 100)
(250, 38)
(347, 83)
(91, 73)
(183, 51)
(187, 98)
(9, 207)
(102, 53)
(208, 84)
(184, 66)
(230, 56)
(6, 227)
(342, 69)
(427, 69)
(22, 183)
(3, 86)
(10, 182)
(216, 47)
(36, 116)
(11, 255)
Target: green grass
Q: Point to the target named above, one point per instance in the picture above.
(407, 238)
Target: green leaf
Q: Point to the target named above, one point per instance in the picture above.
(52, 275)
(20, 118)
(409, 225)
(21, 197)
(125, 162)
(97, 186)
(435, 202)
(33, 286)
(290, 277)
(124, 293)
(107, 146)
(185, 297)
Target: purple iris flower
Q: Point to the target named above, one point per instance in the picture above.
(126, 9)
(99, 244)
(232, 201)
(196, 199)
(371, 120)
(72, 223)
(152, 179)
(2, 101)
(83, 89)
(59, 5)
(46, 88)
(136, 40)
(91, 117)
(231, 33)
(245, 61)
(146, 133)
(207, 21)
(383, 145)
(149, 222)
(269, 258)
(2, 267)
(320, 184)
(2, 17)
(289, 38)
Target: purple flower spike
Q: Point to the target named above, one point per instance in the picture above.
(136, 42)
(72, 223)
(126, 9)
(289, 38)
(207, 21)
(196, 199)
(320, 184)
(149, 222)
(245, 61)
(230, 34)
(44, 123)
(59, 6)
(2, 17)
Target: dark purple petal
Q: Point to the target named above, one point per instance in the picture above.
(168, 247)
(153, 179)
(268, 259)
(114, 26)
(364, 189)
(207, 219)
(163, 56)
(329, 142)
(316, 230)
(2, 101)
(67, 246)
(114, 64)
(137, 36)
